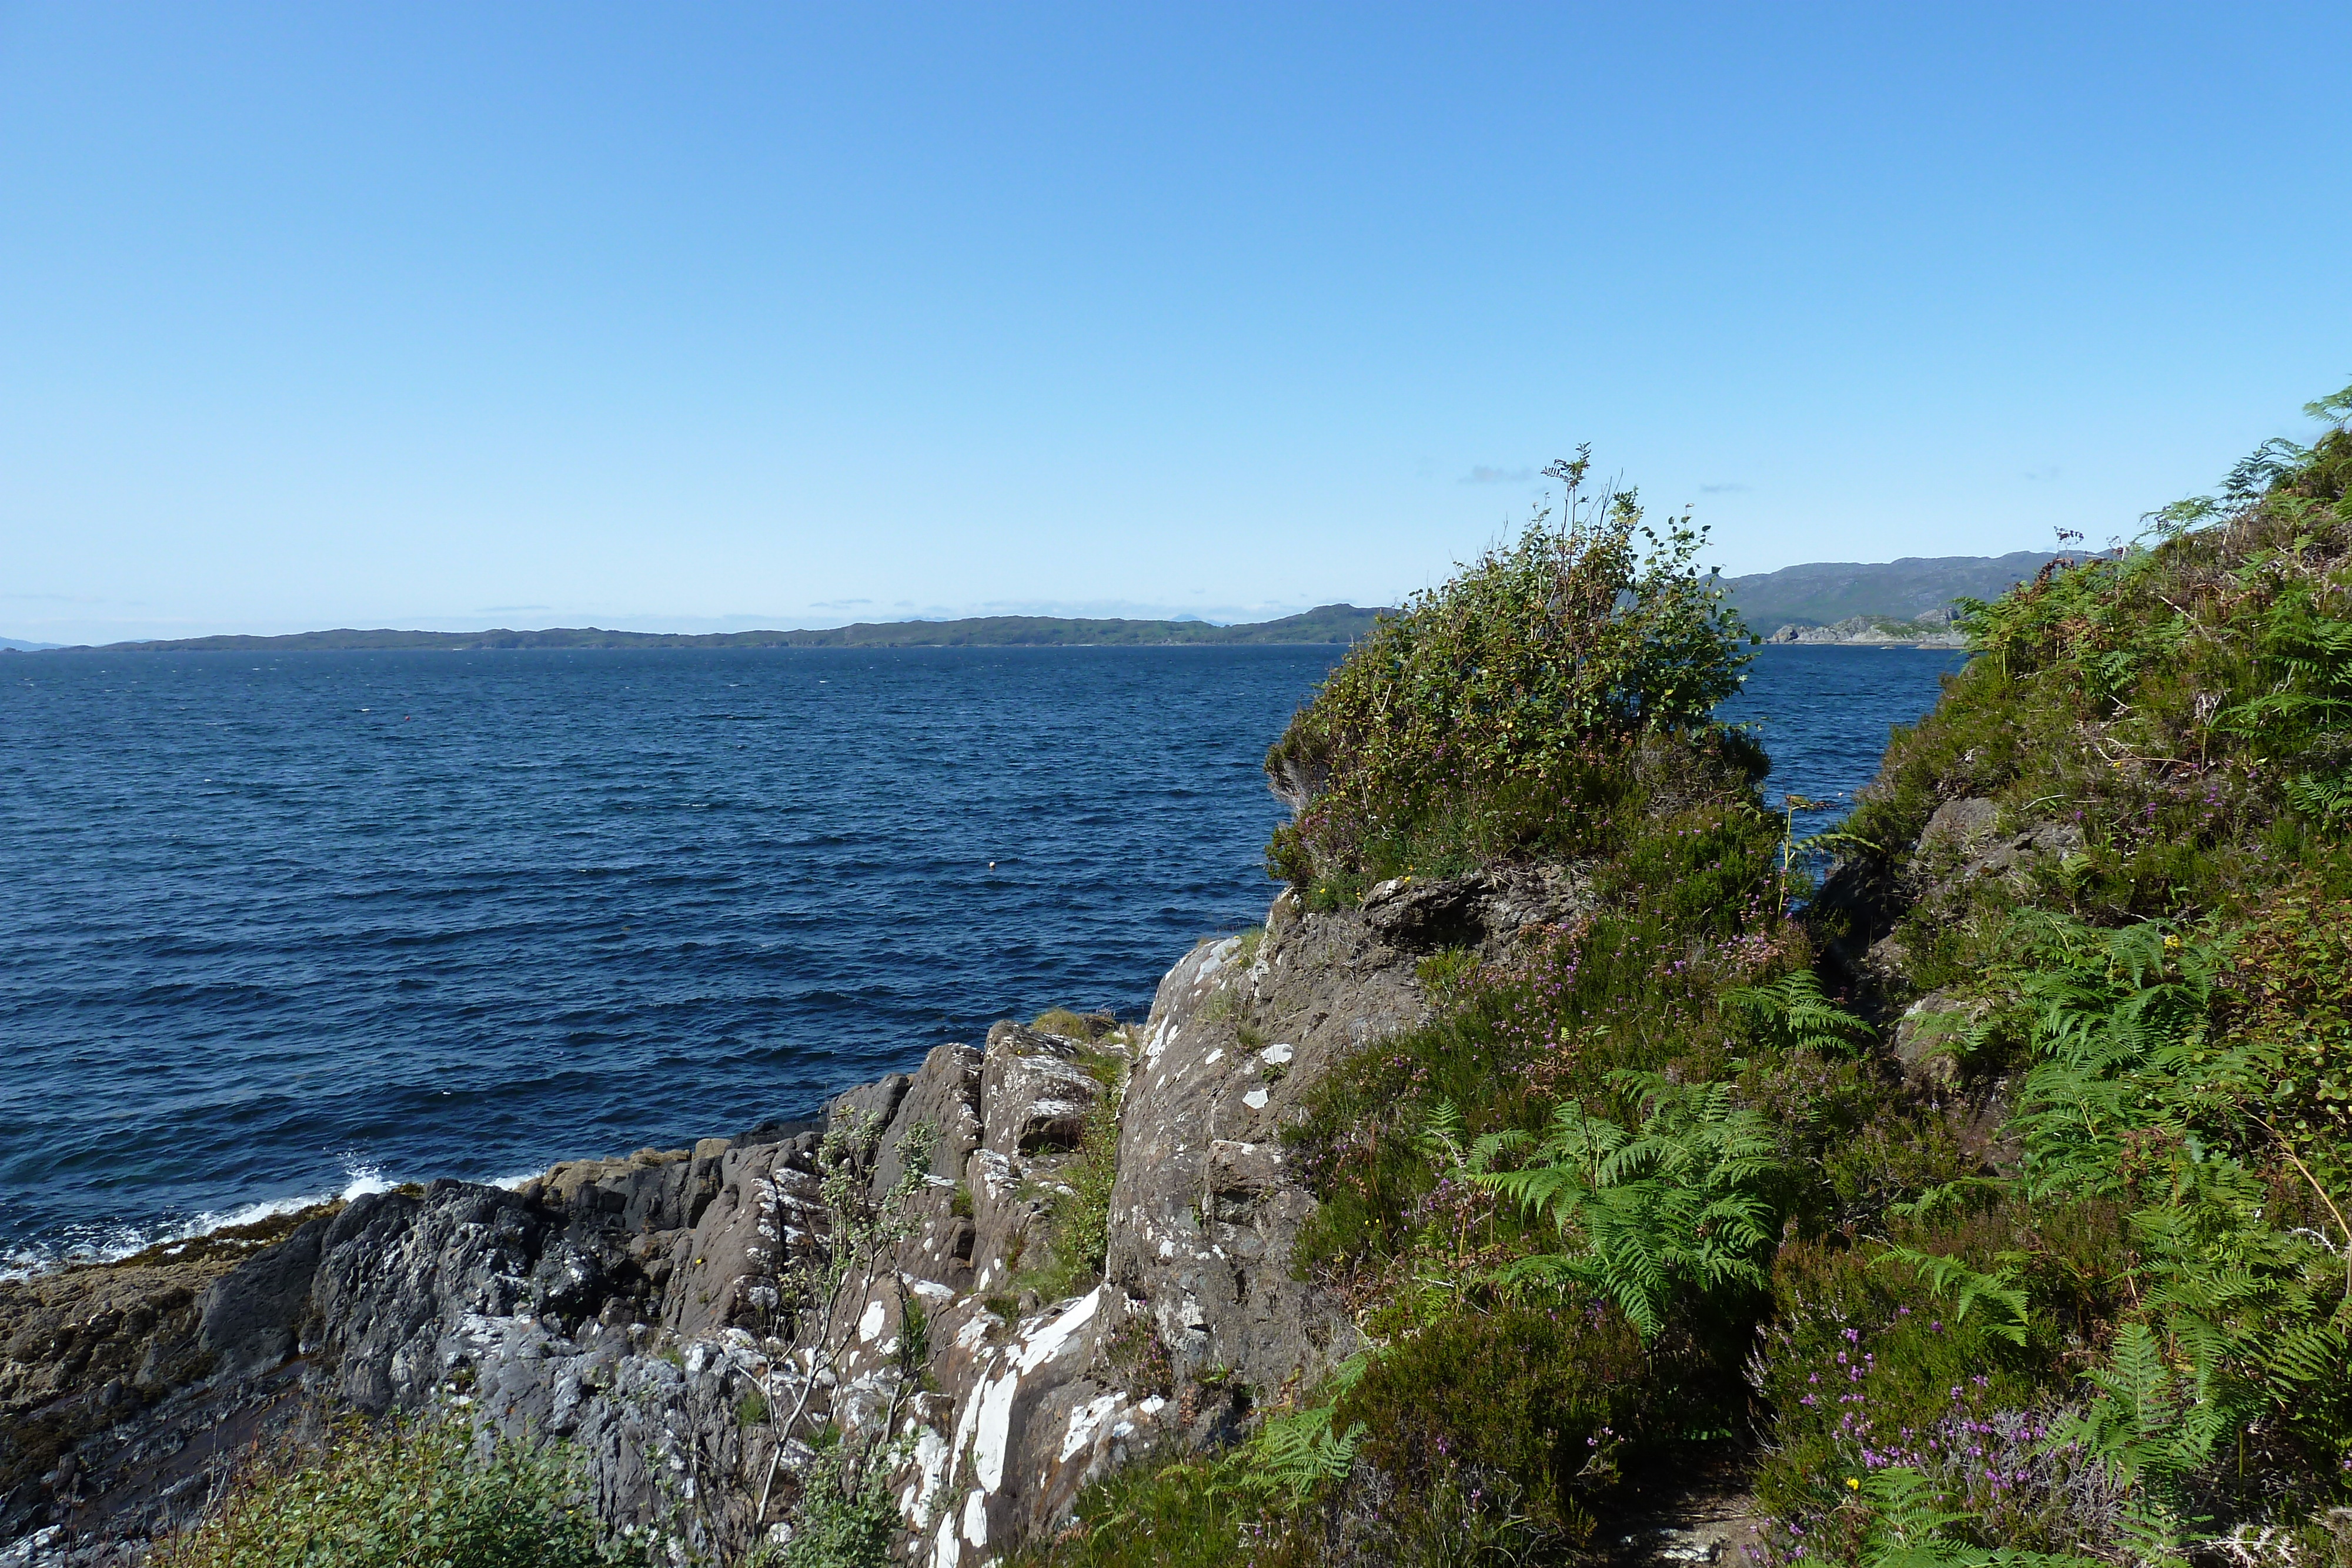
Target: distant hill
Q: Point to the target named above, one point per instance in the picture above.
(1325, 623)
(1821, 594)
(17, 645)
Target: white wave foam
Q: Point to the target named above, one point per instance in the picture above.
(112, 1243)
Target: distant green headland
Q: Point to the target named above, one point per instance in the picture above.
(1338, 624)
(1832, 601)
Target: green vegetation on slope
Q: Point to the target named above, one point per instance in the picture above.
(2155, 1250)
(1642, 1191)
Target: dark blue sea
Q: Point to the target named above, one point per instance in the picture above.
(286, 925)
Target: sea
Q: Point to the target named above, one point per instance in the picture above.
(287, 926)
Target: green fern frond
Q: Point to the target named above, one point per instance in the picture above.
(1294, 1454)
(2138, 1377)
(1680, 1200)
(1441, 1134)
(2324, 798)
(1907, 1525)
(1299, 1452)
(1947, 1276)
(1492, 1146)
(1949, 1194)
(1792, 1013)
(2313, 1353)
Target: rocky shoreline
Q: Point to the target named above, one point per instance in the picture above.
(655, 1309)
(1933, 630)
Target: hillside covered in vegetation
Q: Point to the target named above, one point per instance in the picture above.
(1891, 595)
(1988, 1204)
(1824, 592)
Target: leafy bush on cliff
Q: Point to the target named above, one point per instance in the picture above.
(1493, 715)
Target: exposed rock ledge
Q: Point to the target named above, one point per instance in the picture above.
(638, 1307)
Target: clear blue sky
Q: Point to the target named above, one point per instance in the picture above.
(695, 316)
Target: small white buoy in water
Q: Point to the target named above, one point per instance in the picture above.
(991, 865)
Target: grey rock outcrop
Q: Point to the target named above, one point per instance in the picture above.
(657, 1310)
(1963, 849)
(943, 1096)
(722, 1271)
(1963, 843)
(251, 1319)
(395, 1271)
(1925, 1037)
(1475, 910)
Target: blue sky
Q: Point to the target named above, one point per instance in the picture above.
(703, 317)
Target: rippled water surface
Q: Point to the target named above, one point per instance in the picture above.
(277, 924)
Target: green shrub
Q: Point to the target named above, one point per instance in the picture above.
(1524, 1408)
(1492, 717)
(1168, 1512)
(396, 1494)
(1484, 1433)
(1705, 871)
(846, 1516)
